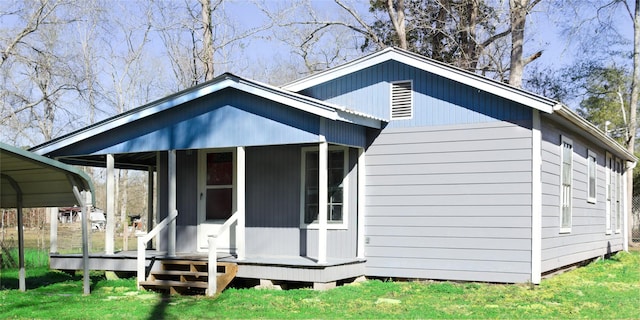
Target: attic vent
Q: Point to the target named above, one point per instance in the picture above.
(401, 100)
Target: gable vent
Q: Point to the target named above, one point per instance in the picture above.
(401, 100)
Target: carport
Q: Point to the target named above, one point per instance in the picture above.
(28, 180)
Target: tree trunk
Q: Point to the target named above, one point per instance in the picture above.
(635, 96)
(518, 14)
(397, 18)
(207, 39)
(469, 41)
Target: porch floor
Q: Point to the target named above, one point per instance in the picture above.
(284, 268)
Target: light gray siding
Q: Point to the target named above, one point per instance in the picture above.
(450, 202)
(588, 238)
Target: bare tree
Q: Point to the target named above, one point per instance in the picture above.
(519, 9)
(40, 70)
(207, 38)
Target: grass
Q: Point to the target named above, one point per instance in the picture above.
(603, 289)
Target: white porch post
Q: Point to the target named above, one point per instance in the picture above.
(241, 207)
(150, 184)
(53, 230)
(158, 186)
(111, 206)
(323, 193)
(171, 234)
(361, 203)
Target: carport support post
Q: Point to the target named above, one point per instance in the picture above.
(85, 241)
(22, 283)
(53, 232)
(323, 194)
(111, 206)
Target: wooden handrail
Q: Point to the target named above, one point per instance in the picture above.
(142, 244)
(213, 254)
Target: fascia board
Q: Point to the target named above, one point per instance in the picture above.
(153, 108)
(587, 126)
(309, 107)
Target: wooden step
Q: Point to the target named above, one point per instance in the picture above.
(186, 276)
(171, 283)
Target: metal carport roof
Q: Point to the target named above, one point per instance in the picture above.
(30, 180)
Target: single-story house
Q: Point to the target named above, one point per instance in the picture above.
(392, 165)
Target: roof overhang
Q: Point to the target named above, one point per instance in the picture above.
(227, 80)
(455, 74)
(567, 114)
(42, 182)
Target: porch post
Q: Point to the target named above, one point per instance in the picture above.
(240, 199)
(171, 234)
(158, 186)
(53, 232)
(111, 206)
(361, 203)
(150, 184)
(323, 193)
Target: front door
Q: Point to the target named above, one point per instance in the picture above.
(217, 197)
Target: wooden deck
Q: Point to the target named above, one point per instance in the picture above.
(283, 268)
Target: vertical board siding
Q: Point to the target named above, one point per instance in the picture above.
(587, 238)
(273, 207)
(437, 100)
(186, 201)
(343, 133)
(450, 202)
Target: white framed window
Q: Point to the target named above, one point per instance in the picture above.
(619, 196)
(610, 196)
(337, 200)
(592, 176)
(401, 100)
(566, 183)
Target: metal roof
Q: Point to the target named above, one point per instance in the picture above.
(43, 182)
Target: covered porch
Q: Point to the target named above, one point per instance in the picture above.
(268, 179)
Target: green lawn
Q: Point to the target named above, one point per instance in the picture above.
(604, 289)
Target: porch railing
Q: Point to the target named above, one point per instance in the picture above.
(213, 254)
(142, 244)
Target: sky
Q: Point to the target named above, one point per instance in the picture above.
(546, 30)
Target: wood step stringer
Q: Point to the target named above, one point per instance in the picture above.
(187, 276)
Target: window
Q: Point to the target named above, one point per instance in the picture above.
(566, 183)
(401, 100)
(592, 167)
(337, 179)
(219, 185)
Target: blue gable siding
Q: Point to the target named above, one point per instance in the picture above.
(225, 119)
(437, 100)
